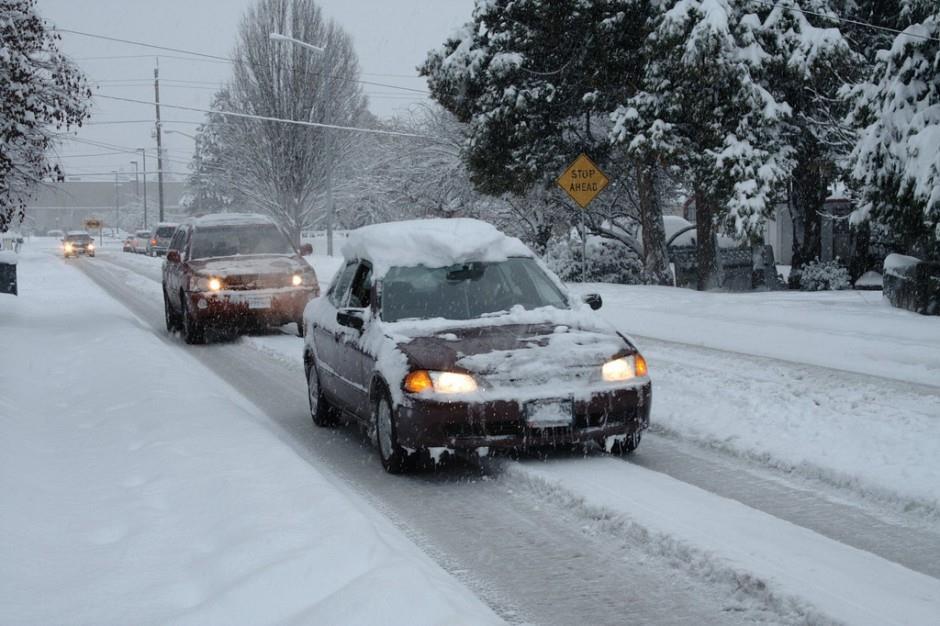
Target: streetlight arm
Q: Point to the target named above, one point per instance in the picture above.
(280, 37)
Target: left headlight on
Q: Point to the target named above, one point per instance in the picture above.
(441, 382)
(624, 368)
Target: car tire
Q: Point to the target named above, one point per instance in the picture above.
(320, 411)
(172, 319)
(193, 331)
(628, 444)
(394, 458)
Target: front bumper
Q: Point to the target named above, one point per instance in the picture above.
(243, 308)
(424, 423)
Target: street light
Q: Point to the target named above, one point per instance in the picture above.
(327, 152)
(167, 131)
(197, 205)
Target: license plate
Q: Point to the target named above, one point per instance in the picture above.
(547, 413)
(258, 302)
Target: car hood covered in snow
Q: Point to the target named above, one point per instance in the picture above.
(249, 264)
(534, 347)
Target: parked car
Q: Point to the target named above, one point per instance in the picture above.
(141, 240)
(447, 334)
(233, 271)
(159, 238)
(78, 242)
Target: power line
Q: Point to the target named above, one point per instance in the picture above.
(846, 20)
(228, 60)
(266, 118)
(142, 44)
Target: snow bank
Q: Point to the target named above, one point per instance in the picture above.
(431, 243)
(8, 256)
(899, 264)
(136, 487)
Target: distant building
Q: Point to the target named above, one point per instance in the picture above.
(66, 205)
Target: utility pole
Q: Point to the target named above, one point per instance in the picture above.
(117, 205)
(143, 153)
(136, 180)
(156, 89)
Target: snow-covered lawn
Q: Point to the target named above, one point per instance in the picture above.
(855, 331)
(138, 488)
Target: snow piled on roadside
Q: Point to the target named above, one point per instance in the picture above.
(136, 487)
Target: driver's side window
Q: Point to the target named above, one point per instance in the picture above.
(361, 290)
(340, 287)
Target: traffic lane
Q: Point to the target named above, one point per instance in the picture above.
(829, 511)
(527, 559)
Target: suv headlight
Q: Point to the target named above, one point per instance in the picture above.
(441, 382)
(202, 283)
(624, 368)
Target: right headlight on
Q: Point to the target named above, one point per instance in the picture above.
(624, 368)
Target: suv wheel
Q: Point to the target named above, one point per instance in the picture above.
(320, 410)
(394, 457)
(193, 332)
(628, 445)
(172, 318)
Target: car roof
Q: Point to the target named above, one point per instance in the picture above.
(230, 219)
(78, 232)
(431, 243)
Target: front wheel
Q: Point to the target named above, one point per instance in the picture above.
(394, 457)
(193, 332)
(171, 318)
(627, 444)
(320, 411)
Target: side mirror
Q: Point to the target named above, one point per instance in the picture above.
(173, 256)
(306, 249)
(351, 318)
(594, 300)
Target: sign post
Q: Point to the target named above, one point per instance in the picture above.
(93, 223)
(583, 181)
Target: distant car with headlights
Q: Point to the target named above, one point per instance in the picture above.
(233, 272)
(446, 335)
(78, 242)
(159, 239)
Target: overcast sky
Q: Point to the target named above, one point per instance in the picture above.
(391, 37)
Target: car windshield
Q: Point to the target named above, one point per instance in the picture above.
(78, 238)
(467, 291)
(219, 241)
(143, 233)
(165, 231)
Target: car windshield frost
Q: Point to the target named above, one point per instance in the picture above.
(221, 241)
(467, 291)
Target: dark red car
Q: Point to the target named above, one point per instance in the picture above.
(233, 272)
(441, 335)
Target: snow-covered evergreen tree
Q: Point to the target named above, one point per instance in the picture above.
(808, 61)
(535, 81)
(40, 90)
(897, 160)
(702, 108)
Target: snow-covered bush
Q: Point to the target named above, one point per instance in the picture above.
(609, 261)
(823, 276)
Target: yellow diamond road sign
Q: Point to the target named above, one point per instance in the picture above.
(583, 180)
(92, 223)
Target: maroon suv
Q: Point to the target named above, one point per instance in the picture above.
(441, 335)
(233, 271)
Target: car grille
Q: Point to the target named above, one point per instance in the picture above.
(257, 281)
(565, 375)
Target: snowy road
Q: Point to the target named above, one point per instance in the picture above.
(540, 544)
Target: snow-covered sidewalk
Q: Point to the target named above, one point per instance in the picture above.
(138, 488)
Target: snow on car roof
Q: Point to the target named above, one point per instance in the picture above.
(431, 243)
(231, 219)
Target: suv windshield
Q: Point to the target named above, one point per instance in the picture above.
(243, 239)
(165, 231)
(78, 238)
(467, 291)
